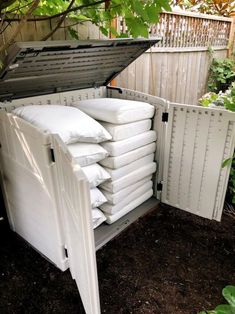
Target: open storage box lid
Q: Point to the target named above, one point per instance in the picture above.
(35, 68)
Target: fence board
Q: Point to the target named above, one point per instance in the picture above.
(179, 77)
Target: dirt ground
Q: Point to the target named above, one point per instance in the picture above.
(169, 262)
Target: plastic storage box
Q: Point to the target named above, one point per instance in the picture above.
(46, 193)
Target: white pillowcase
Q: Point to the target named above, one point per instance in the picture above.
(87, 153)
(126, 159)
(95, 174)
(97, 217)
(71, 124)
(97, 198)
(115, 110)
(122, 131)
(127, 145)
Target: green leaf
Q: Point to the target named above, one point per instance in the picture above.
(227, 162)
(104, 31)
(165, 5)
(153, 14)
(229, 294)
(73, 34)
(224, 309)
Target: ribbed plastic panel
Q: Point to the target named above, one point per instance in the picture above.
(198, 140)
(26, 170)
(79, 235)
(66, 98)
(34, 68)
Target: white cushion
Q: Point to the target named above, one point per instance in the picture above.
(95, 174)
(87, 154)
(132, 205)
(115, 198)
(122, 131)
(97, 198)
(123, 171)
(129, 144)
(71, 124)
(113, 209)
(97, 217)
(116, 111)
(126, 159)
(133, 177)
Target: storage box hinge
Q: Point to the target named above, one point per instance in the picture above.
(115, 88)
(165, 116)
(159, 186)
(52, 154)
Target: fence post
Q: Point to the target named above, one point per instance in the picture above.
(231, 43)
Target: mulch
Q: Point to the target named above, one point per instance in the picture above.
(168, 262)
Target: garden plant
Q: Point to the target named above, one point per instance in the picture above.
(229, 295)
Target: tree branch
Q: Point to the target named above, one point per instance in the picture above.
(20, 26)
(59, 14)
(63, 17)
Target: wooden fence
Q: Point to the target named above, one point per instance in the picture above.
(36, 30)
(177, 68)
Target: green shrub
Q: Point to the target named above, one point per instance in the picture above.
(221, 74)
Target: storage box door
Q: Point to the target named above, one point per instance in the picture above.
(198, 139)
(76, 212)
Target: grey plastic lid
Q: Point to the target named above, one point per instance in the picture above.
(35, 68)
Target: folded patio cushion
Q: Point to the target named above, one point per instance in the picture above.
(133, 177)
(127, 158)
(115, 110)
(122, 131)
(131, 206)
(115, 198)
(123, 171)
(113, 209)
(129, 144)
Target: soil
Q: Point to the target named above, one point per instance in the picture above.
(169, 262)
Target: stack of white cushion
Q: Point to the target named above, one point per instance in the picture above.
(131, 152)
(82, 134)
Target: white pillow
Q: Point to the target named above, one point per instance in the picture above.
(115, 110)
(87, 153)
(71, 124)
(95, 174)
(97, 217)
(97, 198)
